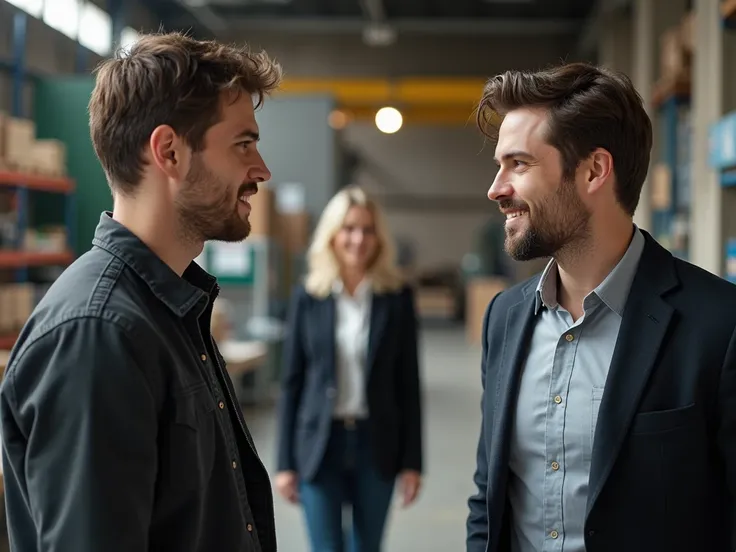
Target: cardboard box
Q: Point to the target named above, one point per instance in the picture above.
(478, 294)
(24, 301)
(687, 32)
(263, 212)
(49, 157)
(7, 316)
(436, 302)
(675, 60)
(294, 231)
(19, 138)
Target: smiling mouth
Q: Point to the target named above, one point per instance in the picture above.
(515, 214)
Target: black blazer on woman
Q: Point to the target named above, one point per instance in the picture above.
(309, 387)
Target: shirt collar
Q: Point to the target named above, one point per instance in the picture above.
(180, 294)
(362, 292)
(613, 290)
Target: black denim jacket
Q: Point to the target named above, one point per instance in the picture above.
(120, 427)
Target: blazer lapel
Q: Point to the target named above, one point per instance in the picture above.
(379, 316)
(644, 325)
(323, 332)
(517, 336)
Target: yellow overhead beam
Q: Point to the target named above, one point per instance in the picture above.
(356, 92)
(411, 115)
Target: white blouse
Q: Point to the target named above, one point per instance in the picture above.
(352, 329)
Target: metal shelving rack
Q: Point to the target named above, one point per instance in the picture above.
(722, 152)
(17, 259)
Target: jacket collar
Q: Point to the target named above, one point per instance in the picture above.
(178, 293)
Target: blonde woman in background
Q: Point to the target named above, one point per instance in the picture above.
(350, 411)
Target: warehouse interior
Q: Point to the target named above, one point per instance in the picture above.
(379, 93)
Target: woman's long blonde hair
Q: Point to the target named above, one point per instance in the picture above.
(323, 267)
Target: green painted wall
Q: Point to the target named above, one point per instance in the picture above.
(60, 111)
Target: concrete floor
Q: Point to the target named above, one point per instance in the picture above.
(436, 523)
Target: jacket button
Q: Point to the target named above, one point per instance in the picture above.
(249, 527)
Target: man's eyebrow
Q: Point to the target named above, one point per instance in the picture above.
(513, 155)
(250, 134)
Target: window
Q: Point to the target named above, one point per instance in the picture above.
(62, 15)
(95, 29)
(32, 7)
(128, 37)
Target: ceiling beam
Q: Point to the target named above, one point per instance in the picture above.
(496, 27)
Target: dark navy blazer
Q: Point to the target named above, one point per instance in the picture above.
(663, 469)
(309, 387)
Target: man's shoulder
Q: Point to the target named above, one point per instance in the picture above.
(515, 294)
(705, 295)
(95, 290)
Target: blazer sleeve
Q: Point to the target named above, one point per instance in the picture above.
(410, 386)
(477, 522)
(727, 428)
(292, 382)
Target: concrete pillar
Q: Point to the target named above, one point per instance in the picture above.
(650, 19)
(713, 95)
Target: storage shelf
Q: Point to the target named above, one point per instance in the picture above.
(679, 89)
(36, 182)
(728, 10)
(24, 259)
(7, 341)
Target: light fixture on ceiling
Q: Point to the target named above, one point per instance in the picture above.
(389, 120)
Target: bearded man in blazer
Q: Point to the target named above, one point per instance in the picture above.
(609, 381)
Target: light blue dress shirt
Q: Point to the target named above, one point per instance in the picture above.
(559, 396)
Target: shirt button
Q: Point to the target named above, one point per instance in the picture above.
(555, 466)
(235, 464)
(204, 357)
(569, 337)
(558, 399)
(249, 527)
(554, 534)
(221, 405)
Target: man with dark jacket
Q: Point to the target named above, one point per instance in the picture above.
(609, 381)
(120, 426)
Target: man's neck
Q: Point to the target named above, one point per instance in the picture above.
(582, 271)
(157, 231)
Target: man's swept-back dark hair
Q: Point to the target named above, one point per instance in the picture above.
(588, 107)
(171, 79)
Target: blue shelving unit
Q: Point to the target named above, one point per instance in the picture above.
(722, 157)
(671, 223)
(25, 184)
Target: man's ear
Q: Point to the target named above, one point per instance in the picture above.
(169, 152)
(599, 168)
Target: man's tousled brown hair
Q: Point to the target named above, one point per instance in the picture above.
(588, 107)
(172, 79)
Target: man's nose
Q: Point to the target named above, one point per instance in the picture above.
(500, 188)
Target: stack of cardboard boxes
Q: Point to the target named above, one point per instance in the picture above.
(279, 213)
(677, 46)
(17, 301)
(21, 151)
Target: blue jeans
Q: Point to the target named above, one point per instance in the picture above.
(347, 476)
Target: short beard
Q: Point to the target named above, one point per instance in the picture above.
(207, 210)
(562, 227)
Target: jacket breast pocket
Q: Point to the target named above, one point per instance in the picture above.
(659, 421)
(189, 452)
